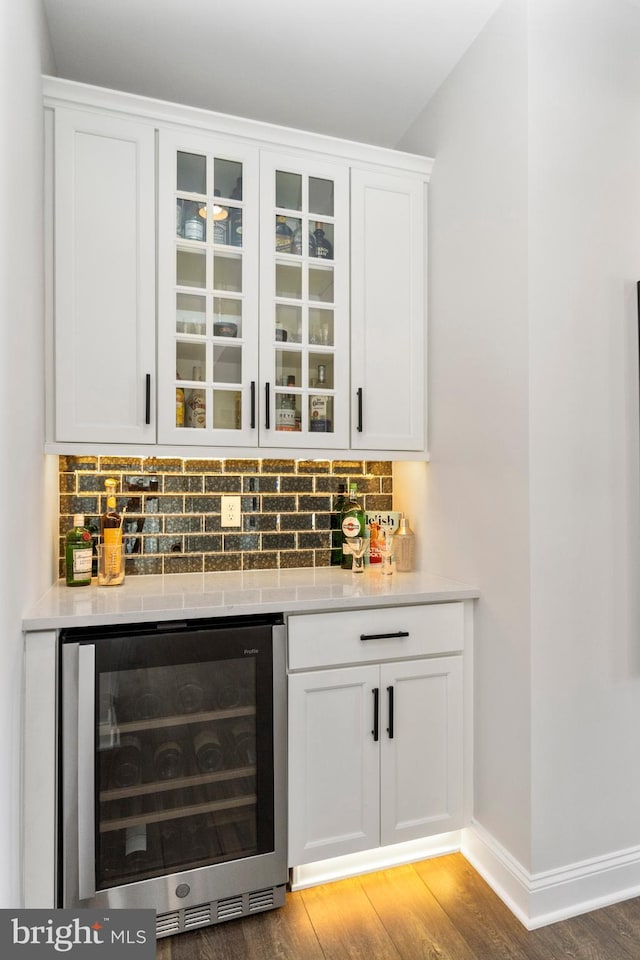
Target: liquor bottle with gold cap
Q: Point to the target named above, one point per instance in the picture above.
(111, 535)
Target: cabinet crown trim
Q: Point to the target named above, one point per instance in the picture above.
(58, 91)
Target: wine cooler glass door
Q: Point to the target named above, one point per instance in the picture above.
(182, 774)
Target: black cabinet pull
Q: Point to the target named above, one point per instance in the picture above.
(267, 413)
(253, 404)
(390, 727)
(384, 636)
(359, 395)
(376, 713)
(147, 399)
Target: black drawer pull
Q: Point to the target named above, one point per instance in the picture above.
(252, 422)
(384, 636)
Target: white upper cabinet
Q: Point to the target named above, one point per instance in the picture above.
(289, 275)
(104, 235)
(387, 311)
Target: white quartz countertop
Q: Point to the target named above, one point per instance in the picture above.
(189, 595)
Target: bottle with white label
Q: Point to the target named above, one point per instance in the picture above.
(196, 411)
(353, 524)
(78, 554)
(286, 408)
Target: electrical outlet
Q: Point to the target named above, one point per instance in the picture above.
(229, 511)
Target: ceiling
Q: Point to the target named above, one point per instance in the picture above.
(357, 69)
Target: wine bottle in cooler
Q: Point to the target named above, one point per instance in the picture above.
(190, 692)
(168, 760)
(126, 762)
(208, 751)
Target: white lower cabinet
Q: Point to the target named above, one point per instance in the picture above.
(375, 752)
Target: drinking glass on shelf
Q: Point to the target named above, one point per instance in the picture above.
(356, 546)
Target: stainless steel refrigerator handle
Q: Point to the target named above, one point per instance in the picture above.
(86, 772)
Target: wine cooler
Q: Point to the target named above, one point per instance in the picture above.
(173, 769)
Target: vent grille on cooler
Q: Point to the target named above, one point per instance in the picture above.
(204, 914)
(198, 916)
(167, 924)
(230, 908)
(261, 900)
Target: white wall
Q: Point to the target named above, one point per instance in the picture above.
(25, 557)
(533, 488)
(584, 153)
(476, 526)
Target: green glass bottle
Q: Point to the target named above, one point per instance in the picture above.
(336, 526)
(78, 554)
(353, 524)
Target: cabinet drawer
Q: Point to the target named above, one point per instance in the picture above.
(359, 636)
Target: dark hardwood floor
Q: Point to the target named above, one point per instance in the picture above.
(433, 910)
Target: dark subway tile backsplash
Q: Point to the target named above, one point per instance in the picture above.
(171, 509)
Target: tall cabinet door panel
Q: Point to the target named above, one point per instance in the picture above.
(304, 310)
(421, 749)
(333, 764)
(387, 311)
(105, 278)
(207, 290)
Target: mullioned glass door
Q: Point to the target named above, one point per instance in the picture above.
(207, 253)
(304, 303)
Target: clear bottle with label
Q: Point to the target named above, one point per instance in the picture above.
(78, 554)
(297, 242)
(352, 523)
(324, 249)
(194, 223)
(286, 409)
(196, 411)
(284, 235)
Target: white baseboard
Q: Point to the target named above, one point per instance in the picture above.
(552, 895)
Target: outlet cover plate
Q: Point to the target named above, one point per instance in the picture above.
(229, 511)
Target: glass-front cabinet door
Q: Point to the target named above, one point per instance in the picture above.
(304, 290)
(207, 291)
